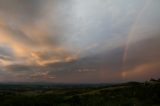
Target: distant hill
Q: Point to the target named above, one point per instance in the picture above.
(124, 94)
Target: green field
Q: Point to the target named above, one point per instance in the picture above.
(127, 94)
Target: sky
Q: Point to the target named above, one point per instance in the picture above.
(79, 41)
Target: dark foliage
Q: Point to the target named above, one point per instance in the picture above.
(128, 94)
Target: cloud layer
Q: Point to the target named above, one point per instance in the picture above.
(78, 41)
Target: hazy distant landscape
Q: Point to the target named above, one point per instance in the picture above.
(125, 94)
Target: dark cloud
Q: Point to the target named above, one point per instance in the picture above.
(19, 68)
(144, 51)
(20, 10)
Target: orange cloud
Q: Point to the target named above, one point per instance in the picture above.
(42, 53)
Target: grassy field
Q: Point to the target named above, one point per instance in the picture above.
(127, 94)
